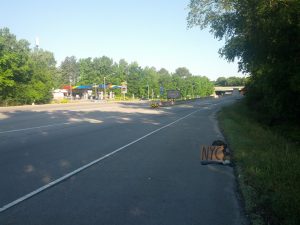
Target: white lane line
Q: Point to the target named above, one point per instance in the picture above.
(32, 128)
(51, 184)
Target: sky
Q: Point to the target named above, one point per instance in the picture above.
(153, 33)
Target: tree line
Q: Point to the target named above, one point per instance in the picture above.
(231, 81)
(141, 82)
(28, 75)
(264, 36)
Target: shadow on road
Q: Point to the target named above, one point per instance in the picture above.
(40, 144)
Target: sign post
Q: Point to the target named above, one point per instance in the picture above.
(124, 89)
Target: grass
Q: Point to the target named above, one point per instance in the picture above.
(267, 167)
(60, 101)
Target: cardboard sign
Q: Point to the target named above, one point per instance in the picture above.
(213, 154)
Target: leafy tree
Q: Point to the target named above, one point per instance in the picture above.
(86, 72)
(14, 64)
(163, 72)
(221, 81)
(231, 81)
(38, 89)
(134, 80)
(44, 72)
(122, 70)
(25, 76)
(182, 72)
(102, 67)
(120, 73)
(265, 37)
(235, 81)
(69, 70)
(204, 86)
(152, 78)
(165, 82)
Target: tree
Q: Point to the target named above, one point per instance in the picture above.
(121, 70)
(102, 68)
(163, 72)
(231, 81)
(86, 72)
(151, 78)
(134, 81)
(203, 86)
(221, 81)
(44, 72)
(26, 76)
(69, 70)
(165, 82)
(182, 72)
(38, 89)
(264, 36)
(14, 64)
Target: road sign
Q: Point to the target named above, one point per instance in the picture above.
(173, 94)
(124, 87)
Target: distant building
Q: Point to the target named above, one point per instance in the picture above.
(59, 94)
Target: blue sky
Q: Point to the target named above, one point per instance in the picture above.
(150, 32)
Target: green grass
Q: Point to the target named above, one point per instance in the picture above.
(60, 101)
(267, 167)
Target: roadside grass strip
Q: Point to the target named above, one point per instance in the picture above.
(266, 165)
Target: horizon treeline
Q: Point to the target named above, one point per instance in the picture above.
(28, 75)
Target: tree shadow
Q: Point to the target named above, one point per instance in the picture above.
(40, 144)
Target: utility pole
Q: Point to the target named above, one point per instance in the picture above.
(193, 90)
(71, 94)
(104, 87)
(95, 86)
(148, 89)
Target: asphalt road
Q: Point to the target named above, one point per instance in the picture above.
(148, 168)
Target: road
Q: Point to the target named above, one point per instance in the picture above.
(113, 163)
